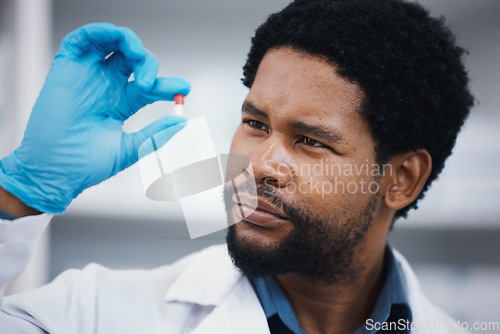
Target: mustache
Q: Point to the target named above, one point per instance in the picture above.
(268, 194)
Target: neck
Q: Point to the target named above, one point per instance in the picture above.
(342, 306)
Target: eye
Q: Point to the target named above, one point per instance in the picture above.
(311, 142)
(256, 124)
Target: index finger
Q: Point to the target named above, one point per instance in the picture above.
(100, 39)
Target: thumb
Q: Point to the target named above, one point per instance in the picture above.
(164, 89)
(139, 144)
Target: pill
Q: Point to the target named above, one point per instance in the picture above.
(179, 105)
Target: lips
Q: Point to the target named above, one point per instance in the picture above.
(265, 214)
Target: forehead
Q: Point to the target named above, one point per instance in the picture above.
(286, 75)
(291, 85)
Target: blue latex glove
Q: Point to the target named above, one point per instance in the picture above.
(74, 138)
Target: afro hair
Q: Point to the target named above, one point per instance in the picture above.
(407, 63)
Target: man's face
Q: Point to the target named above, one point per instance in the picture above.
(314, 163)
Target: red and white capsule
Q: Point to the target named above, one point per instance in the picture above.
(179, 105)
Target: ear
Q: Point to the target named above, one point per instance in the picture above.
(410, 172)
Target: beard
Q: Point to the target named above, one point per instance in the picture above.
(319, 248)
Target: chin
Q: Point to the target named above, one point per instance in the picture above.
(254, 254)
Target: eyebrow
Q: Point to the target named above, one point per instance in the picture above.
(318, 131)
(253, 110)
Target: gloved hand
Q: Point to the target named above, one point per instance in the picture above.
(74, 138)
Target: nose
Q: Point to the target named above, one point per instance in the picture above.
(271, 166)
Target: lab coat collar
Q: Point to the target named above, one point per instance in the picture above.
(212, 280)
(207, 280)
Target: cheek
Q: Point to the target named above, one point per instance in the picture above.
(328, 186)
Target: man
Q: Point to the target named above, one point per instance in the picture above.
(353, 108)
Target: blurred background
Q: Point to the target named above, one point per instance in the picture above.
(452, 241)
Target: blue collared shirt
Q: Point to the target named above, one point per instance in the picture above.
(391, 306)
(7, 216)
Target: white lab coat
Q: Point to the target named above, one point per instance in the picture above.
(201, 293)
